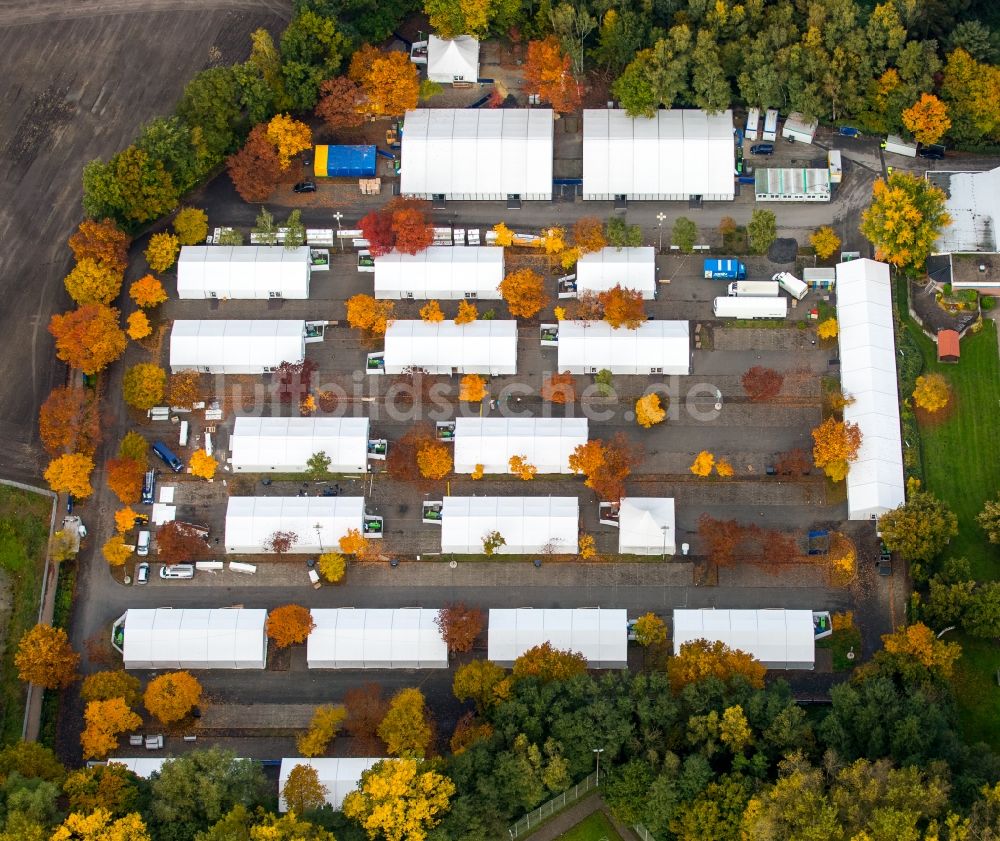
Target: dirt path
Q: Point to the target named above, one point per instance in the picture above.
(569, 818)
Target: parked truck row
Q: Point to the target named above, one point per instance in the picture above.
(752, 298)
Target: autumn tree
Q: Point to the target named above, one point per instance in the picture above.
(835, 446)
(918, 530)
(289, 137)
(202, 464)
(366, 313)
(133, 187)
(353, 542)
(722, 538)
(481, 681)
(469, 730)
(493, 541)
(116, 551)
(179, 542)
(100, 825)
(70, 473)
(650, 630)
(761, 383)
(332, 566)
(932, 392)
(825, 241)
(389, 81)
(376, 227)
(547, 73)
(520, 466)
(88, 338)
(147, 292)
(64, 545)
(365, 710)
(431, 311)
(133, 446)
(460, 625)
(828, 329)
(105, 721)
(101, 241)
(103, 686)
(703, 464)
(322, 730)
(524, 293)
(70, 420)
(504, 235)
(289, 624)
(927, 119)
(793, 463)
(138, 326)
(472, 388)
(161, 253)
(904, 220)
(587, 546)
(45, 657)
(124, 477)
(171, 696)
(256, 168)
(913, 650)
(303, 791)
(989, 519)
(467, 313)
(649, 410)
(701, 659)
(112, 787)
(91, 282)
(341, 103)
(547, 663)
(622, 307)
(605, 465)
(434, 460)
(762, 231)
(724, 468)
(588, 235)
(143, 385)
(559, 388)
(407, 729)
(413, 233)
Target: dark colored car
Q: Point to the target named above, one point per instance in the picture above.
(849, 131)
(762, 149)
(304, 187)
(931, 152)
(884, 562)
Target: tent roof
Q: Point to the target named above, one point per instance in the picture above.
(459, 268)
(368, 638)
(641, 525)
(974, 207)
(453, 57)
(225, 638)
(340, 776)
(527, 523)
(141, 766)
(489, 344)
(663, 344)
(197, 344)
(251, 520)
(283, 442)
(242, 271)
(632, 268)
(599, 635)
(778, 638)
(547, 443)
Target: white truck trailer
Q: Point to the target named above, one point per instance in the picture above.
(894, 143)
(753, 289)
(750, 307)
(770, 133)
(791, 284)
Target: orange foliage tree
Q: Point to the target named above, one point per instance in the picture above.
(606, 465)
(521, 467)
(102, 241)
(70, 419)
(138, 326)
(762, 383)
(256, 168)
(927, 119)
(88, 338)
(623, 307)
(431, 311)
(124, 477)
(91, 282)
(289, 624)
(559, 388)
(459, 625)
(524, 293)
(413, 233)
(105, 720)
(467, 313)
(389, 81)
(172, 696)
(700, 659)
(70, 473)
(547, 73)
(341, 103)
(179, 542)
(434, 460)
(366, 313)
(548, 663)
(472, 388)
(588, 235)
(202, 464)
(147, 292)
(835, 446)
(45, 657)
(721, 538)
(289, 137)
(915, 646)
(363, 549)
(703, 463)
(124, 519)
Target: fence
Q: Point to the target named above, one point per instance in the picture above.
(535, 817)
(643, 833)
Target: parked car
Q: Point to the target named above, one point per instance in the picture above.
(142, 573)
(168, 571)
(931, 152)
(884, 562)
(166, 455)
(762, 149)
(69, 503)
(304, 187)
(142, 544)
(849, 131)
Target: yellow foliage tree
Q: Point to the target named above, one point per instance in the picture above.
(554, 240)
(147, 292)
(143, 385)
(927, 119)
(406, 728)
(835, 446)
(434, 460)
(332, 566)
(431, 311)
(905, 217)
(649, 411)
(302, 791)
(138, 326)
(172, 696)
(202, 464)
(467, 313)
(700, 659)
(44, 656)
(703, 463)
(560, 313)
(505, 236)
(588, 548)
(472, 388)
(650, 630)
(932, 392)
(366, 313)
(70, 473)
(162, 251)
(843, 559)
(100, 825)
(825, 241)
(289, 136)
(723, 468)
(524, 293)
(91, 282)
(191, 225)
(322, 729)
(520, 466)
(105, 720)
(828, 329)
(124, 519)
(116, 551)
(478, 472)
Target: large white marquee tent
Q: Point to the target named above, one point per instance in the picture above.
(780, 639)
(547, 443)
(630, 268)
(260, 445)
(875, 482)
(339, 776)
(243, 271)
(251, 520)
(441, 271)
(175, 638)
(527, 523)
(657, 347)
(670, 157)
(452, 59)
(646, 526)
(235, 347)
(141, 766)
(477, 154)
(599, 635)
(357, 638)
(444, 347)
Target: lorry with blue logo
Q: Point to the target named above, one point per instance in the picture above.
(725, 270)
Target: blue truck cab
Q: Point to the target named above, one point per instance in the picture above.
(725, 270)
(166, 455)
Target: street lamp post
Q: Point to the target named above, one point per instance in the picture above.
(664, 530)
(660, 217)
(337, 217)
(319, 536)
(597, 753)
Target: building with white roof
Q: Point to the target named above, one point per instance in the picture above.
(601, 636)
(338, 775)
(444, 347)
(452, 60)
(646, 526)
(317, 521)
(235, 347)
(656, 347)
(528, 524)
(444, 272)
(243, 271)
(358, 638)
(780, 639)
(176, 638)
(630, 268)
(546, 443)
(285, 445)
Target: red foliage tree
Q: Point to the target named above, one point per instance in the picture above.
(365, 710)
(459, 625)
(761, 383)
(281, 542)
(606, 465)
(256, 168)
(721, 537)
(177, 543)
(793, 463)
(341, 104)
(377, 228)
(413, 234)
(559, 388)
(401, 462)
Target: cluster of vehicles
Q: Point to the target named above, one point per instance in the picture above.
(144, 538)
(752, 298)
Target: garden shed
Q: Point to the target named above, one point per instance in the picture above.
(235, 347)
(285, 445)
(599, 635)
(357, 638)
(546, 443)
(444, 347)
(780, 639)
(441, 271)
(339, 776)
(528, 524)
(317, 521)
(948, 346)
(631, 268)
(452, 60)
(243, 271)
(646, 526)
(656, 347)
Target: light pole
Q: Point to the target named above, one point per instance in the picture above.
(319, 536)
(659, 224)
(597, 753)
(664, 530)
(337, 217)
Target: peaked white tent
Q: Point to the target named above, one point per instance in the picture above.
(631, 268)
(657, 347)
(260, 445)
(670, 157)
(141, 766)
(235, 347)
(251, 520)
(527, 523)
(780, 639)
(875, 482)
(547, 443)
(452, 59)
(339, 776)
(442, 271)
(243, 271)
(646, 526)
(357, 638)
(599, 635)
(175, 638)
(444, 347)
(477, 154)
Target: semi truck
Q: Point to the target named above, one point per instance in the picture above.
(725, 270)
(791, 284)
(753, 289)
(750, 307)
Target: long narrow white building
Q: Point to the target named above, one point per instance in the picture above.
(780, 639)
(443, 272)
(599, 635)
(338, 775)
(546, 443)
(236, 347)
(527, 524)
(656, 347)
(318, 522)
(630, 268)
(444, 347)
(243, 271)
(358, 638)
(285, 445)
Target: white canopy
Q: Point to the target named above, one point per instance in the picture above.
(875, 482)
(527, 523)
(453, 59)
(599, 635)
(251, 520)
(547, 443)
(657, 347)
(444, 347)
(175, 638)
(441, 271)
(243, 271)
(356, 638)
(670, 157)
(631, 268)
(260, 445)
(646, 526)
(338, 776)
(477, 154)
(141, 766)
(235, 347)
(780, 639)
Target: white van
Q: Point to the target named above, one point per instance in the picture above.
(142, 544)
(791, 284)
(177, 571)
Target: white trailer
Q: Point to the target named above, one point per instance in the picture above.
(752, 131)
(895, 144)
(753, 289)
(799, 128)
(770, 132)
(835, 165)
(750, 307)
(791, 284)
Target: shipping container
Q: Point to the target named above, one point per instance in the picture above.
(754, 289)
(344, 161)
(820, 278)
(750, 307)
(724, 270)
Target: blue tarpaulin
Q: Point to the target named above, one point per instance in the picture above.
(344, 161)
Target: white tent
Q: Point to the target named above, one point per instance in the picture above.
(875, 482)
(444, 347)
(339, 776)
(599, 635)
(547, 443)
(528, 524)
(251, 520)
(670, 157)
(477, 154)
(235, 347)
(780, 639)
(631, 268)
(141, 766)
(356, 638)
(441, 271)
(646, 526)
(243, 271)
(452, 59)
(168, 638)
(260, 445)
(657, 347)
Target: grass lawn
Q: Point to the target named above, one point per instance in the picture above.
(24, 532)
(841, 642)
(594, 827)
(976, 689)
